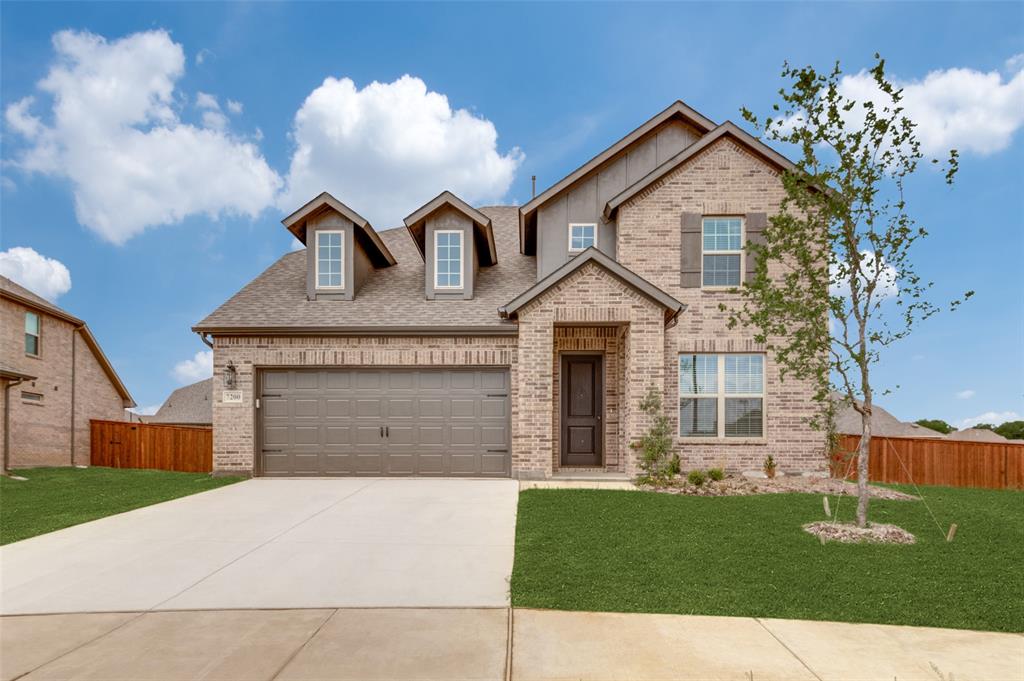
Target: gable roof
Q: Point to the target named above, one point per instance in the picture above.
(416, 223)
(976, 435)
(883, 424)
(672, 306)
(192, 404)
(676, 110)
(371, 242)
(727, 129)
(390, 301)
(20, 294)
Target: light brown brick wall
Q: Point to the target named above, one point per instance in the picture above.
(41, 432)
(234, 425)
(588, 297)
(725, 179)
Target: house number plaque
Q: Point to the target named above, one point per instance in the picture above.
(232, 397)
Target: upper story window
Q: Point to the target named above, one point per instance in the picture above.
(329, 257)
(582, 236)
(722, 252)
(32, 346)
(448, 259)
(721, 396)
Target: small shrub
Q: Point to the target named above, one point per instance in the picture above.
(656, 443)
(696, 478)
(716, 474)
(769, 466)
(675, 466)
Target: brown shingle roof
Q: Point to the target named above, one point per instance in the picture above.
(191, 405)
(392, 298)
(976, 435)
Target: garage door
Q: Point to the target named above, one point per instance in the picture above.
(385, 422)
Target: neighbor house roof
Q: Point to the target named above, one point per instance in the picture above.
(416, 224)
(672, 306)
(676, 110)
(20, 294)
(884, 424)
(727, 129)
(190, 405)
(9, 373)
(391, 301)
(371, 242)
(976, 435)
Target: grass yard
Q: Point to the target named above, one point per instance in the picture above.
(54, 498)
(603, 550)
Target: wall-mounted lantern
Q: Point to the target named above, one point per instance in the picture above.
(230, 376)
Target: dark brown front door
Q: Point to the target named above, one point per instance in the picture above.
(582, 410)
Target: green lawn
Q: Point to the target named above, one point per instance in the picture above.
(53, 498)
(603, 550)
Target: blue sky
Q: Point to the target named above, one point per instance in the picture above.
(169, 226)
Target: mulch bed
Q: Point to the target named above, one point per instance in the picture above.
(848, 533)
(738, 485)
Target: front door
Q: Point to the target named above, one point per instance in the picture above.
(582, 410)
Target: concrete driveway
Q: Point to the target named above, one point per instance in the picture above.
(278, 544)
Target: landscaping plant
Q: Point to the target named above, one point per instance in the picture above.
(769, 466)
(696, 478)
(843, 287)
(716, 474)
(656, 444)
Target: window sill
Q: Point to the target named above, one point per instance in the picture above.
(33, 356)
(722, 440)
(31, 403)
(721, 289)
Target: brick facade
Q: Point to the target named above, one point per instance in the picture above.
(41, 431)
(589, 310)
(725, 179)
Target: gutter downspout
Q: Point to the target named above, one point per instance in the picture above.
(7, 422)
(203, 337)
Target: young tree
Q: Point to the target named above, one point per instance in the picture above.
(843, 287)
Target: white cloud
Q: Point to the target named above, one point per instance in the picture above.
(43, 276)
(146, 411)
(205, 100)
(994, 417)
(115, 134)
(234, 107)
(965, 394)
(195, 369)
(957, 108)
(215, 120)
(202, 55)
(389, 147)
(886, 286)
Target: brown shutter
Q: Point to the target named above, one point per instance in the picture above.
(755, 224)
(690, 251)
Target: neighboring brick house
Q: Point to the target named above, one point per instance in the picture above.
(518, 341)
(54, 378)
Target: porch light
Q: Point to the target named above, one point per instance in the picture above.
(230, 376)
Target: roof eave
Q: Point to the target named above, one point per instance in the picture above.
(296, 224)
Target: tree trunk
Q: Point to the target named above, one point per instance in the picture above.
(863, 452)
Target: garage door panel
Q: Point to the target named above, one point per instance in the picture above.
(400, 422)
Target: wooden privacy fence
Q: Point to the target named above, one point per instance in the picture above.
(120, 444)
(934, 461)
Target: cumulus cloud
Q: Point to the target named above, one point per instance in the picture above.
(965, 394)
(114, 133)
(148, 410)
(993, 417)
(389, 147)
(886, 286)
(195, 369)
(234, 107)
(43, 276)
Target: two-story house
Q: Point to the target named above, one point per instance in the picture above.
(54, 378)
(518, 341)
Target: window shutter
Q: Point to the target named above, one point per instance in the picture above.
(755, 224)
(690, 251)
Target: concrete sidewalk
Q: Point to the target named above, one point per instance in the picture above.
(409, 643)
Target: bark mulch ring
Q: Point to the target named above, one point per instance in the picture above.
(739, 485)
(848, 533)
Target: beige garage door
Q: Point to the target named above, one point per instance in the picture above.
(402, 422)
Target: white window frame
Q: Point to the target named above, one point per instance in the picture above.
(316, 258)
(462, 260)
(721, 396)
(581, 224)
(741, 252)
(38, 335)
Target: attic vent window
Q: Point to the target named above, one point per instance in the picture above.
(329, 253)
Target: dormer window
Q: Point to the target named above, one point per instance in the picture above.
(582, 236)
(329, 258)
(448, 253)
